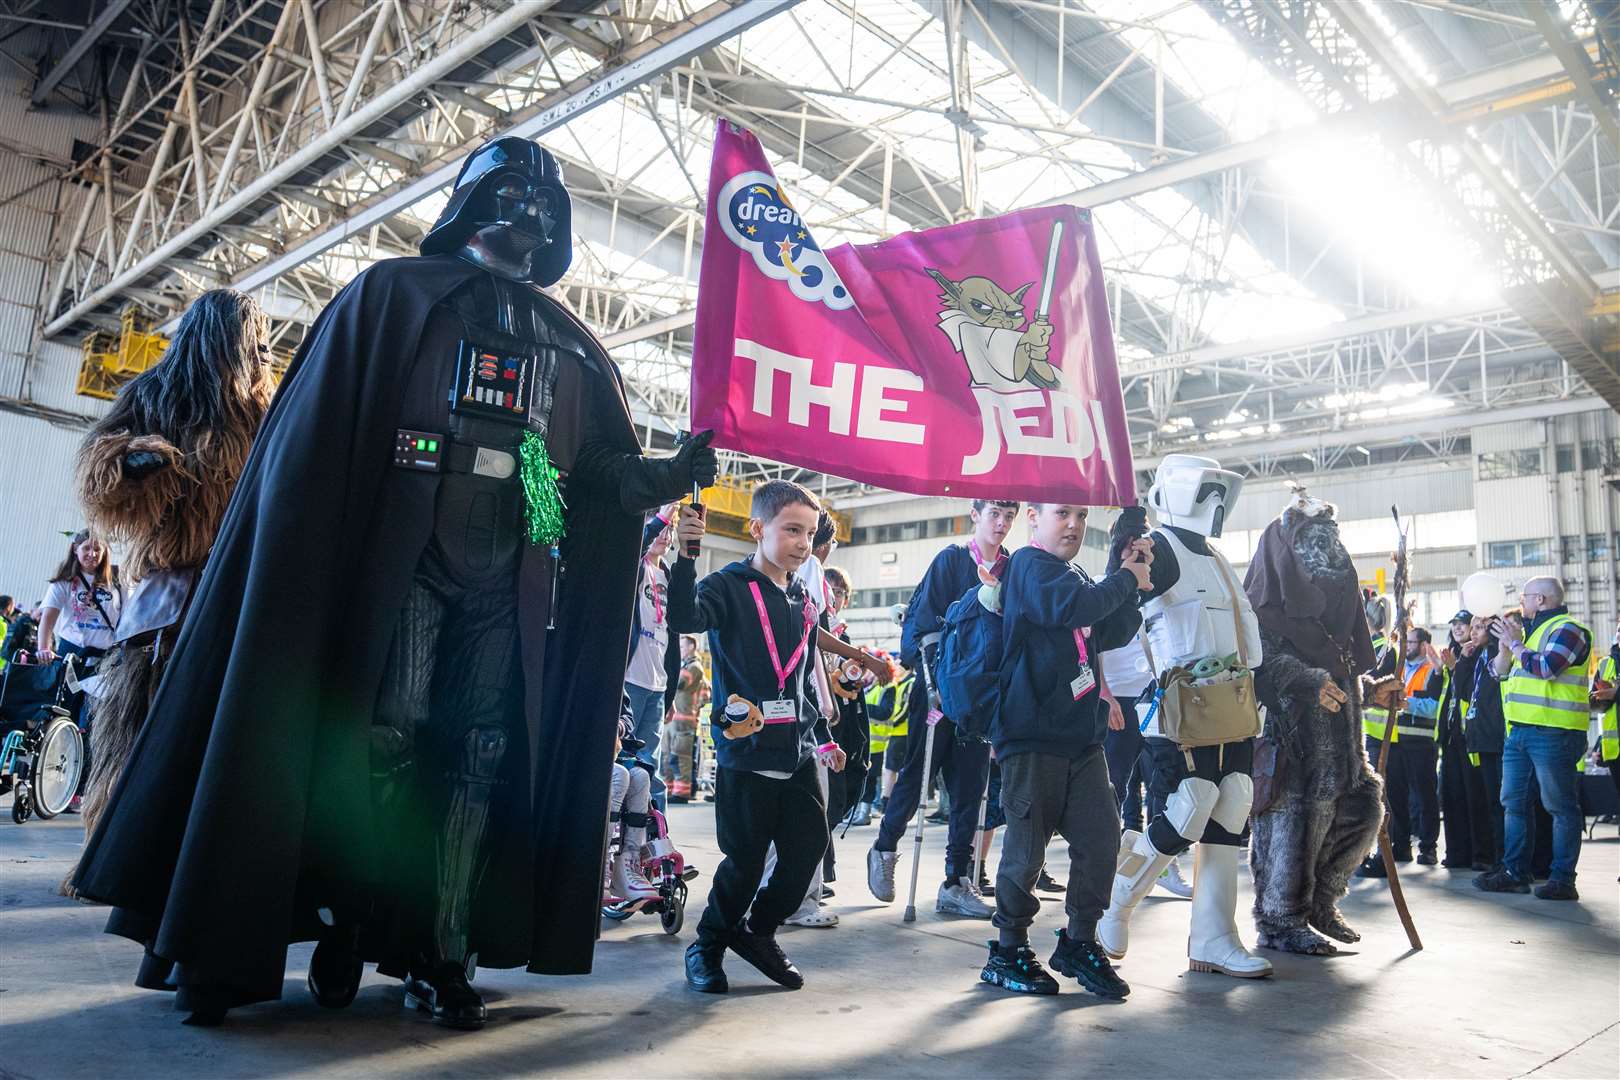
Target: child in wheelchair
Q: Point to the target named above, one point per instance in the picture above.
(644, 870)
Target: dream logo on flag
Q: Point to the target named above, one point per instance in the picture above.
(973, 360)
(757, 217)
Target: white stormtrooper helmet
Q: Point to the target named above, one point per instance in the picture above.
(1194, 493)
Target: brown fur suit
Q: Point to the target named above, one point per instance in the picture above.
(1329, 804)
(199, 426)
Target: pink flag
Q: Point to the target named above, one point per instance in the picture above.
(973, 360)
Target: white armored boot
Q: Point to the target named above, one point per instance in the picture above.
(1140, 863)
(1212, 940)
(1139, 866)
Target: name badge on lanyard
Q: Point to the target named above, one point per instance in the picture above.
(1085, 682)
(782, 709)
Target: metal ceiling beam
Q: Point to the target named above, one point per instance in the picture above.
(647, 60)
(1576, 63)
(1476, 99)
(1368, 324)
(76, 52)
(1372, 40)
(1427, 426)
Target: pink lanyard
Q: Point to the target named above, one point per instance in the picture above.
(996, 566)
(782, 670)
(1079, 635)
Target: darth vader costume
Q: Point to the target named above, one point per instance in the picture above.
(387, 722)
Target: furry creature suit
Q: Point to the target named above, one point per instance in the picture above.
(1327, 804)
(155, 476)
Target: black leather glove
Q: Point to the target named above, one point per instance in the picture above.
(649, 483)
(1130, 525)
(139, 463)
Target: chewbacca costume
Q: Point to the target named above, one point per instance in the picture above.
(1325, 800)
(166, 519)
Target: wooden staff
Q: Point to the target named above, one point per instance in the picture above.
(1385, 848)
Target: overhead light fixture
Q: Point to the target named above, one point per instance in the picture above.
(1363, 450)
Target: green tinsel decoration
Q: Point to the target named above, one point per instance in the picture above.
(543, 504)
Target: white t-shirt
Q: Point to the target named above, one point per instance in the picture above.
(1126, 670)
(646, 668)
(814, 580)
(79, 621)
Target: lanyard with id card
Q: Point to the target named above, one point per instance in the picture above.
(1086, 681)
(781, 709)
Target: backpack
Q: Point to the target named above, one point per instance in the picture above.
(967, 668)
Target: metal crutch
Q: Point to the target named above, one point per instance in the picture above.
(933, 718)
(978, 834)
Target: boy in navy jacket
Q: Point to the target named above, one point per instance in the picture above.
(762, 633)
(1048, 738)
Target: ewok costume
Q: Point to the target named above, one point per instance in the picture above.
(1327, 803)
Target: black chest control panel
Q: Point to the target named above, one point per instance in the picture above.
(492, 383)
(421, 450)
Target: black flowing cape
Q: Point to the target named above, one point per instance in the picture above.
(245, 803)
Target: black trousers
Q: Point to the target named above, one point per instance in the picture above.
(1490, 772)
(844, 790)
(1464, 807)
(1124, 749)
(1169, 768)
(1411, 789)
(448, 711)
(750, 813)
(874, 777)
(966, 768)
(1423, 783)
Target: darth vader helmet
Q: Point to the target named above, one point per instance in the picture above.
(509, 212)
(1194, 493)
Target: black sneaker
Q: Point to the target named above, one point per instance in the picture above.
(1016, 969)
(764, 953)
(1501, 881)
(986, 887)
(1427, 858)
(1044, 883)
(1371, 867)
(1558, 890)
(703, 971)
(1086, 962)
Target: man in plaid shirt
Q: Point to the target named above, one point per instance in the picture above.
(1544, 698)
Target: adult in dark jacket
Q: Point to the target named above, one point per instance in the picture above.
(1465, 806)
(964, 763)
(367, 734)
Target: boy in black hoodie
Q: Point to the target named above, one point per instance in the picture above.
(761, 630)
(1048, 737)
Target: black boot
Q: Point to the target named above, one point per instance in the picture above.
(764, 953)
(446, 993)
(1371, 867)
(336, 968)
(1086, 962)
(205, 1006)
(703, 971)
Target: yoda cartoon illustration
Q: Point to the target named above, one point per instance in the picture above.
(986, 325)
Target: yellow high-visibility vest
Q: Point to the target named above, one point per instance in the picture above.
(1611, 728)
(1558, 702)
(1372, 717)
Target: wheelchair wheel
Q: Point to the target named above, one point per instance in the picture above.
(673, 915)
(57, 768)
(21, 802)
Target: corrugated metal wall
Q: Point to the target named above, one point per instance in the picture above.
(36, 458)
